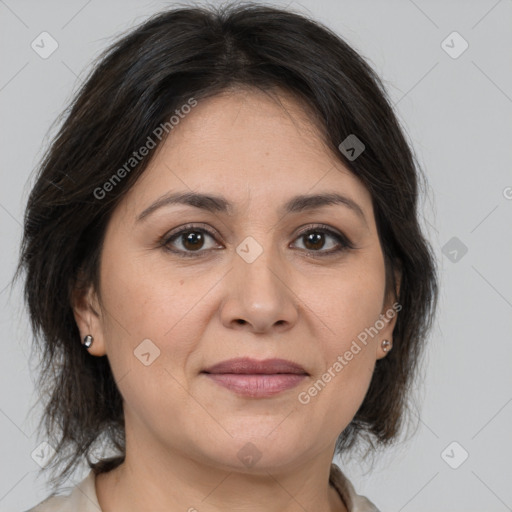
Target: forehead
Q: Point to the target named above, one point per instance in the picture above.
(246, 143)
(249, 122)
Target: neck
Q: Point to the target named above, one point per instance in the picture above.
(179, 483)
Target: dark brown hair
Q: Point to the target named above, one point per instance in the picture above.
(136, 86)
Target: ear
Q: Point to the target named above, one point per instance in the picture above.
(87, 313)
(389, 316)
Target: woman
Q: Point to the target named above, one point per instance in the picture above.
(225, 269)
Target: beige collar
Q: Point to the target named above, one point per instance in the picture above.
(353, 501)
(83, 496)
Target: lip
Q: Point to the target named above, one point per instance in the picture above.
(256, 386)
(256, 379)
(248, 366)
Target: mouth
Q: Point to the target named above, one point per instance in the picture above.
(248, 366)
(256, 379)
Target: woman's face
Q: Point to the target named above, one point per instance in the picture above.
(257, 274)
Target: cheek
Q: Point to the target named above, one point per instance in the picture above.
(145, 300)
(349, 309)
(156, 303)
(351, 305)
(149, 334)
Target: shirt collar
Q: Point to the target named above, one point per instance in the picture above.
(84, 499)
(353, 501)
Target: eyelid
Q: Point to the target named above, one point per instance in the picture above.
(200, 226)
(165, 240)
(344, 242)
(325, 228)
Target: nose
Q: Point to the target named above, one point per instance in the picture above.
(259, 295)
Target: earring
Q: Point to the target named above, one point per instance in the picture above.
(386, 345)
(88, 341)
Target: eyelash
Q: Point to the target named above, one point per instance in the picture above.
(343, 241)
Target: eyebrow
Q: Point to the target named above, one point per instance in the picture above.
(218, 204)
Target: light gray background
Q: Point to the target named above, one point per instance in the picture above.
(458, 115)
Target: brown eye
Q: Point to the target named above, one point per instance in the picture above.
(192, 240)
(314, 240)
(189, 240)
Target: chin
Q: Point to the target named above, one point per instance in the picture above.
(259, 453)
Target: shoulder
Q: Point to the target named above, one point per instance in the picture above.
(353, 501)
(81, 498)
(51, 504)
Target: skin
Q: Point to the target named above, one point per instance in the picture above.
(183, 430)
